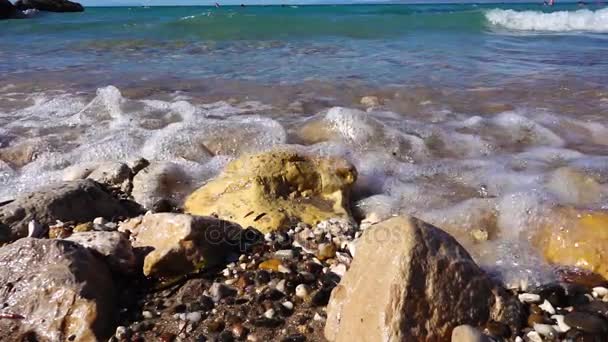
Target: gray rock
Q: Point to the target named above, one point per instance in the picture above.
(218, 291)
(60, 290)
(8, 11)
(114, 247)
(160, 181)
(79, 201)
(49, 5)
(467, 333)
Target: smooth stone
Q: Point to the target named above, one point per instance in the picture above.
(529, 298)
(586, 322)
(561, 324)
(219, 291)
(547, 307)
(545, 330)
(467, 333)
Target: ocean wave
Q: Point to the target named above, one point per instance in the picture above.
(562, 21)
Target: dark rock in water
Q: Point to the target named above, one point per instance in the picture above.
(59, 288)
(587, 322)
(49, 5)
(79, 201)
(554, 293)
(8, 11)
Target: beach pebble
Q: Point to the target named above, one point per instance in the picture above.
(288, 305)
(269, 313)
(586, 322)
(600, 291)
(547, 307)
(545, 330)
(529, 298)
(194, 317)
(561, 325)
(217, 291)
(467, 333)
(302, 291)
(284, 254)
(147, 314)
(534, 336)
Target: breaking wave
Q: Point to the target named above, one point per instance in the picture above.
(562, 21)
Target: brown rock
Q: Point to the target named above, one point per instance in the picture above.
(411, 281)
(181, 243)
(113, 246)
(77, 201)
(62, 291)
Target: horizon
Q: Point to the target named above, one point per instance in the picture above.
(165, 3)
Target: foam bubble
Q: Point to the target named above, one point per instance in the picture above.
(562, 21)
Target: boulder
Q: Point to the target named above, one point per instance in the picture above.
(8, 11)
(180, 243)
(58, 290)
(114, 247)
(158, 182)
(577, 238)
(271, 189)
(113, 174)
(78, 201)
(49, 5)
(410, 281)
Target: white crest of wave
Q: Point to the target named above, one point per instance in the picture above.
(562, 21)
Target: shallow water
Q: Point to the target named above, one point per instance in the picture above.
(487, 119)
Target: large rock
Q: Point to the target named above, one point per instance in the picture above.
(410, 281)
(49, 5)
(268, 190)
(114, 247)
(8, 11)
(180, 243)
(576, 238)
(160, 181)
(60, 289)
(78, 201)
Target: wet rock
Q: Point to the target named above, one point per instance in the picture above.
(49, 5)
(586, 322)
(114, 174)
(181, 243)
(77, 201)
(62, 291)
(113, 246)
(384, 295)
(268, 190)
(573, 186)
(8, 11)
(582, 240)
(160, 181)
(467, 333)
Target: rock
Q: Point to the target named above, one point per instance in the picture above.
(60, 288)
(78, 201)
(385, 295)
(181, 243)
(573, 186)
(218, 291)
(370, 101)
(586, 322)
(8, 11)
(577, 238)
(160, 181)
(467, 333)
(268, 190)
(113, 174)
(113, 246)
(49, 5)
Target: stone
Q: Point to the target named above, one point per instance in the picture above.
(467, 333)
(586, 322)
(62, 291)
(576, 238)
(49, 5)
(160, 181)
(269, 190)
(181, 243)
(77, 201)
(114, 174)
(386, 296)
(573, 186)
(8, 11)
(370, 101)
(114, 247)
(219, 291)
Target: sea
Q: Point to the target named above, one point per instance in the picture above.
(479, 118)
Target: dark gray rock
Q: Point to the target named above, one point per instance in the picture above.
(56, 290)
(49, 5)
(78, 201)
(8, 11)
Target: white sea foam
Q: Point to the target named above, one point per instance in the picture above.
(562, 21)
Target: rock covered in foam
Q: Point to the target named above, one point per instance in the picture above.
(160, 181)
(412, 281)
(78, 201)
(268, 190)
(576, 238)
(181, 243)
(60, 289)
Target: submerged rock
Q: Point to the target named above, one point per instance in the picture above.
(78, 201)
(577, 238)
(268, 190)
(181, 243)
(412, 281)
(49, 5)
(61, 291)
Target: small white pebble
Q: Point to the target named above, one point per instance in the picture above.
(545, 330)
(561, 325)
(284, 254)
(100, 221)
(243, 266)
(226, 272)
(230, 281)
(120, 332)
(318, 317)
(302, 291)
(529, 298)
(269, 313)
(242, 257)
(339, 269)
(600, 291)
(281, 285)
(283, 269)
(147, 314)
(288, 305)
(181, 316)
(547, 307)
(519, 339)
(194, 317)
(268, 237)
(533, 336)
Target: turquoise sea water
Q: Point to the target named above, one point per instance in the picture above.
(379, 44)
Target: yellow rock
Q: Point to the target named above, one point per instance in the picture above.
(268, 190)
(83, 227)
(577, 238)
(270, 265)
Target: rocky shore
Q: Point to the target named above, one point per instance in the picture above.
(20, 9)
(269, 251)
